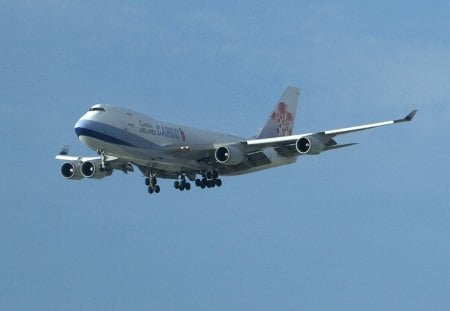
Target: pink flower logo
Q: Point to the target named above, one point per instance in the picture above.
(282, 118)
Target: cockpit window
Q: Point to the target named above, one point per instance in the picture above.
(97, 109)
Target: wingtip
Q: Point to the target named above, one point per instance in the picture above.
(65, 150)
(411, 115)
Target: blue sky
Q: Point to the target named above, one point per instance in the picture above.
(365, 227)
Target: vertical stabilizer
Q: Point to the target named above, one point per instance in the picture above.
(282, 118)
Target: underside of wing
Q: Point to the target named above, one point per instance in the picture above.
(225, 158)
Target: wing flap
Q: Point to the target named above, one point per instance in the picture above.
(258, 158)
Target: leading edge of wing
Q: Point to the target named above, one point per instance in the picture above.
(63, 155)
(341, 131)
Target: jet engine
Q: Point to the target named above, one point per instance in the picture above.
(92, 169)
(71, 170)
(309, 145)
(229, 155)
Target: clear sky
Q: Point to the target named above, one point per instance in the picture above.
(362, 228)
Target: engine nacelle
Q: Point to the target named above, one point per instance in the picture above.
(71, 170)
(229, 155)
(309, 145)
(91, 169)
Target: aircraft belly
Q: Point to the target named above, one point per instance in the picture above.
(144, 157)
(250, 166)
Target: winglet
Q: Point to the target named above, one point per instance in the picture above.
(408, 118)
(411, 115)
(65, 150)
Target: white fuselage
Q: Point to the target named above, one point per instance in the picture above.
(145, 141)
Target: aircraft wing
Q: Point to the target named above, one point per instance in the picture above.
(251, 151)
(63, 155)
(325, 138)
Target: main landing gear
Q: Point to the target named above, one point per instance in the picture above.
(152, 187)
(209, 180)
(182, 184)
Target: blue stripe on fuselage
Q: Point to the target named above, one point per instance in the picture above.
(111, 134)
(81, 131)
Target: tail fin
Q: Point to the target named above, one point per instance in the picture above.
(281, 120)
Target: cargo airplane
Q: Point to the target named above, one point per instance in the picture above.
(125, 139)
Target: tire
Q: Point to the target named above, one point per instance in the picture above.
(218, 182)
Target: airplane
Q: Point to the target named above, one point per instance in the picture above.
(125, 139)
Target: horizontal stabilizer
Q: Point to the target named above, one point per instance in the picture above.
(339, 146)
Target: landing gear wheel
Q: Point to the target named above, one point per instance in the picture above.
(188, 186)
(198, 182)
(218, 182)
(152, 187)
(176, 184)
(209, 175)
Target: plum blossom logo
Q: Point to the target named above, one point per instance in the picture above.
(282, 118)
